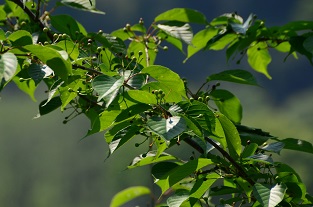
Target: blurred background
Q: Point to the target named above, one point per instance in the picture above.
(44, 163)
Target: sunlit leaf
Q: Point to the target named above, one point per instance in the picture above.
(39, 72)
(242, 28)
(228, 104)
(172, 85)
(52, 58)
(53, 90)
(203, 184)
(182, 15)
(141, 96)
(262, 158)
(8, 66)
(150, 158)
(87, 5)
(128, 194)
(167, 128)
(183, 33)
(20, 38)
(274, 147)
(178, 198)
(27, 86)
(175, 175)
(121, 137)
(269, 197)
(249, 150)
(200, 40)
(70, 47)
(107, 87)
(259, 58)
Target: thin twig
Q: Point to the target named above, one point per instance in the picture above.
(88, 69)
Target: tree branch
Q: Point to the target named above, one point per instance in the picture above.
(241, 171)
(33, 17)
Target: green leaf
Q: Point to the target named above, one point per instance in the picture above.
(202, 185)
(27, 86)
(253, 135)
(150, 158)
(122, 136)
(137, 47)
(200, 113)
(54, 89)
(172, 85)
(45, 108)
(274, 147)
(297, 145)
(261, 158)
(193, 125)
(301, 45)
(167, 128)
(115, 44)
(86, 5)
(183, 33)
(269, 197)
(69, 92)
(70, 47)
(242, 28)
(246, 186)
(220, 41)
(8, 66)
(128, 194)
(107, 87)
(231, 135)
(20, 38)
(249, 150)
(172, 40)
(39, 72)
(235, 76)
(200, 40)
(178, 198)
(171, 177)
(68, 25)
(228, 104)
(182, 15)
(52, 58)
(259, 58)
(141, 96)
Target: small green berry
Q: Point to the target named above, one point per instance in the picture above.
(165, 48)
(45, 29)
(100, 31)
(137, 144)
(200, 99)
(156, 50)
(55, 36)
(141, 21)
(64, 36)
(99, 49)
(140, 53)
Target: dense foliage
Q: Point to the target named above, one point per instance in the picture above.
(113, 80)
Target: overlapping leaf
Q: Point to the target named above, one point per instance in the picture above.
(269, 197)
